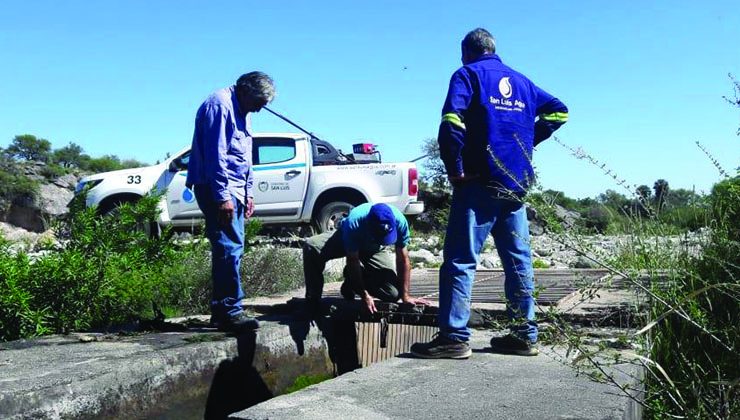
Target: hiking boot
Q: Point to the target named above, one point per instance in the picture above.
(442, 347)
(346, 291)
(511, 344)
(240, 322)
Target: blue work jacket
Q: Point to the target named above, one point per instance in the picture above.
(491, 120)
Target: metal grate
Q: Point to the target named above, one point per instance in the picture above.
(372, 348)
(488, 287)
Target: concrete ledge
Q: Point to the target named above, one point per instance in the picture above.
(192, 373)
(487, 386)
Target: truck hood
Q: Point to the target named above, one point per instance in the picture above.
(123, 172)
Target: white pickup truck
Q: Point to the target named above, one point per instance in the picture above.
(297, 180)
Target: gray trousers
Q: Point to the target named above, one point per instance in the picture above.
(378, 268)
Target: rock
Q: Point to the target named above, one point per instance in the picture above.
(536, 228)
(567, 217)
(15, 234)
(35, 214)
(334, 267)
(423, 256)
(583, 262)
(68, 181)
(490, 261)
(543, 252)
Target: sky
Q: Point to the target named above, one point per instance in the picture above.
(644, 81)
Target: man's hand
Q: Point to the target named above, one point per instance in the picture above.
(225, 212)
(415, 301)
(369, 303)
(249, 208)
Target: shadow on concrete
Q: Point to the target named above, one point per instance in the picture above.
(335, 320)
(237, 384)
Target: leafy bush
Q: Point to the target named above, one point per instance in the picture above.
(52, 171)
(268, 271)
(15, 185)
(109, 272)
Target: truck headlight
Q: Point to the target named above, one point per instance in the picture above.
(86, 184)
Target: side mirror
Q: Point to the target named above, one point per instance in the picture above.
(175, 165)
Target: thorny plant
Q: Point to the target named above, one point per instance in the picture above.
(669, 304)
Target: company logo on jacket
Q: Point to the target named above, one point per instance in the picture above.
(504, 86)
(504, 103)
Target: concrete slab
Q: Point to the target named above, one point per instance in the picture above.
(486, 386)
(165, 375)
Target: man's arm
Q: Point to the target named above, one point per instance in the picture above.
(451, 137)
(249, 208)
(551, 115)
(215, 149)
(403, 269)
(357, 282)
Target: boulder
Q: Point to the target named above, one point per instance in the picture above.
(36, 213)
(490, 261)
(68, 181)
(567, 217)
(583, 262)
(422, 256)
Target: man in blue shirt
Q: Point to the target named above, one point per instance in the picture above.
(370, 272)
(491, 120)
(220, 173)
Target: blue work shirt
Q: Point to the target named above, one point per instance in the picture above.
(221, 153)
(356, 234)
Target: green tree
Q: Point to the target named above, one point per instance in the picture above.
(661, 192)
(29, 147)
(132, 163)
(69, 155)
(104, 163)
(434, 170)
(644, 192)
(681, 197)
(614, 200)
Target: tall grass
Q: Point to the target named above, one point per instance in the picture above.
(689, 346)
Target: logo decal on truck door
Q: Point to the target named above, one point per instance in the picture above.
(187, 195)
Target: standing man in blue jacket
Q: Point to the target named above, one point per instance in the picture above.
(492, 118)
(220, 173)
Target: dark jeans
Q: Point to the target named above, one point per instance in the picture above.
(227, 246)
(378, 268)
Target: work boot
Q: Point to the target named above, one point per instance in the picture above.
(346, 291)
(442, 347)
(240, 322)
(511, 344)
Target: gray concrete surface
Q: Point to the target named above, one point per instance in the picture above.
(165, 375)
(486, 386)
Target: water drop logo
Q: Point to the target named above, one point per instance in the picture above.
(504, 86)
(187, 195)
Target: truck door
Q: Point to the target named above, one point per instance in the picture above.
(181, 203)
(280, 177)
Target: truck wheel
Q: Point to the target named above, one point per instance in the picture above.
(152, 229)
(330, 215)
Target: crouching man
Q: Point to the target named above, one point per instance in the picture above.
(369, 272)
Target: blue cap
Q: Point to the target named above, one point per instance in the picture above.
(382, 224)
